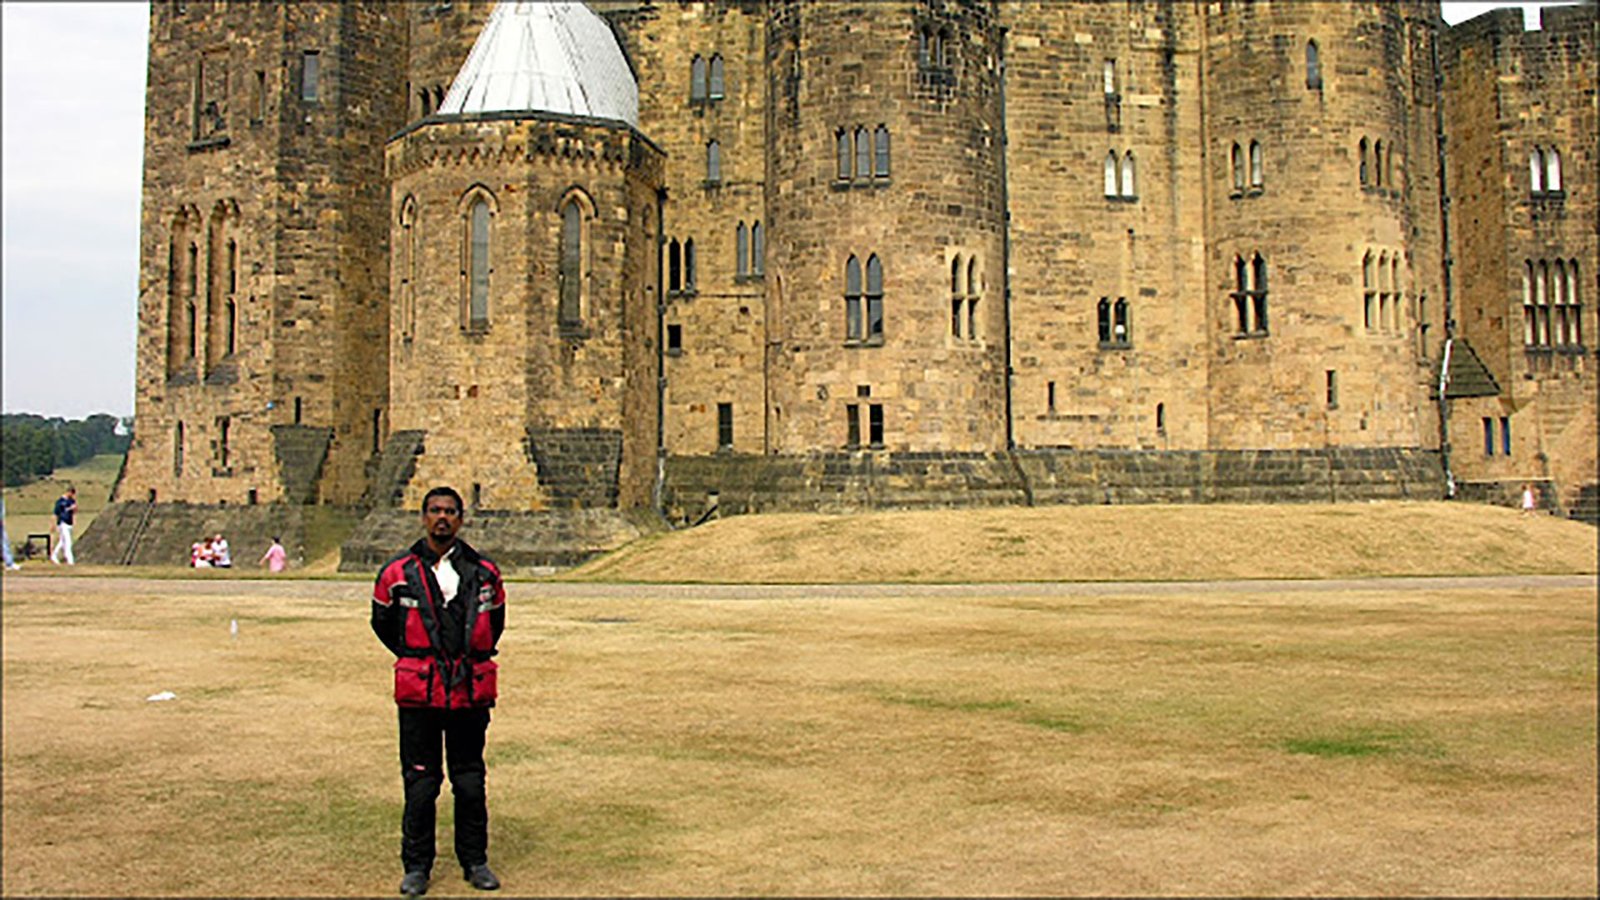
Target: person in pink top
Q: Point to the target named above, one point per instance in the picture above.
(275, 559)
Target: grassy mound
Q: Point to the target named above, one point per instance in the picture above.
(1109, 543)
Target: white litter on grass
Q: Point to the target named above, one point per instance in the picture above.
(164, 695)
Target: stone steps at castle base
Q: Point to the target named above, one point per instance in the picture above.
(514, 539)
(174, 527)
(839, 482)
(1587, 507)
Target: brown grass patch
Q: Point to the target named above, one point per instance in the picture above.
(1090, 742)
(1109, 543)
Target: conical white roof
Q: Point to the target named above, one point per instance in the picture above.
(536, 56)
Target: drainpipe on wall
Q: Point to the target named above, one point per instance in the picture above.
(1447, 260)
(661, 359)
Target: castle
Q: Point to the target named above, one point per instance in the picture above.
(770, 254)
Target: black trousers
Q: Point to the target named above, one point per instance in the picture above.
(462, 733)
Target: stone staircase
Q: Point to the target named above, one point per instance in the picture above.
(578, 467)
(301, 451)
(1587, 506)
(513, 539)
(390, 472)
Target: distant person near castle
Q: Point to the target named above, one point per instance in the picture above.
(66, 509)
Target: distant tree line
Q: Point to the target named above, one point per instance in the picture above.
(33, 446)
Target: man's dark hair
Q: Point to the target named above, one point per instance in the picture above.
(443, 491)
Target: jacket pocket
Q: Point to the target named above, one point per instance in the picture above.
(413, 680)
(485, 682)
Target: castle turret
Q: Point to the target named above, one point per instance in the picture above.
(884, 186)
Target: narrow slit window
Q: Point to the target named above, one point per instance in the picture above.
(718, 84)
(310, 72)
(478, 266)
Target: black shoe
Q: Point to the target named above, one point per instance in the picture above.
(415, 884)
(481, 878)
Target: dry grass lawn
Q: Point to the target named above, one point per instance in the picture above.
(1110, 543)
(987, 741)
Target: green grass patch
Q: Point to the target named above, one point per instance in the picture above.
(1348, 745)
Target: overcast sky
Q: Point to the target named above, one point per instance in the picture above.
(73, 132)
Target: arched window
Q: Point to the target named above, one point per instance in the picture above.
(406, 269)
(1258, 285)
(689, 280)
(1236, 160)
(1575, 300)
(1111, 174)
(1397, 307)
(1103, 319)
(841, 140)
(852, 299)
(1121, 326)
(1129, 188)
(718, 84)
(1365, 173)
(713, 162)
(1560, 297)
(1384, 298)
(477, 268)
(880, 140)
(874, 298)
(1541, 300)
(863, 154)
(925, 46)
(1377, 163)
(974, 294)
(697, 79)
(742, 251)
(1530, 316)
(758, 249)
(1241, 294)
(572, 271)
(1536, 170)
(674, 266)
(1369, 293)
(1552, 171)
(1257, 170)
(1313, 66)
(957, 299)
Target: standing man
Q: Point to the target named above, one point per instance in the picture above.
(66, 508)
(440, 608)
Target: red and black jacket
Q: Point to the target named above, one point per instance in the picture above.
(444, 653)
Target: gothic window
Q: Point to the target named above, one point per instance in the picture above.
(574, 262)
(925, 46)
(1377, 163)
(880, 141)
(1236, 157)
(1258, 288)
(1103, 319)
(1397, 306)
(1111, 174)
(863, 154)
(941, 48)
(1560, 297)
(1121, 326)
(1552, 171)
(841, 139)
(1574, 303)
(852, 300)
(713, 162)
(718, 87)
(1541, 297)
(1241, 295)
(476, 268)
(1129, 189)
(1366, 174)
(406, 268)
(1257, 170)
(1368, 293)
(1313, 66)
(742, 251)
(1385, 300)
(1530, 316)
(974, 294)
(310, 70)
(1536, 170)
(874, 299)
(957, 300)
(758, 249)
(697, 80)
(688, 265)
(1109, 77)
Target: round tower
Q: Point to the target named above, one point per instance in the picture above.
(885, 272)
(1323, 296)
